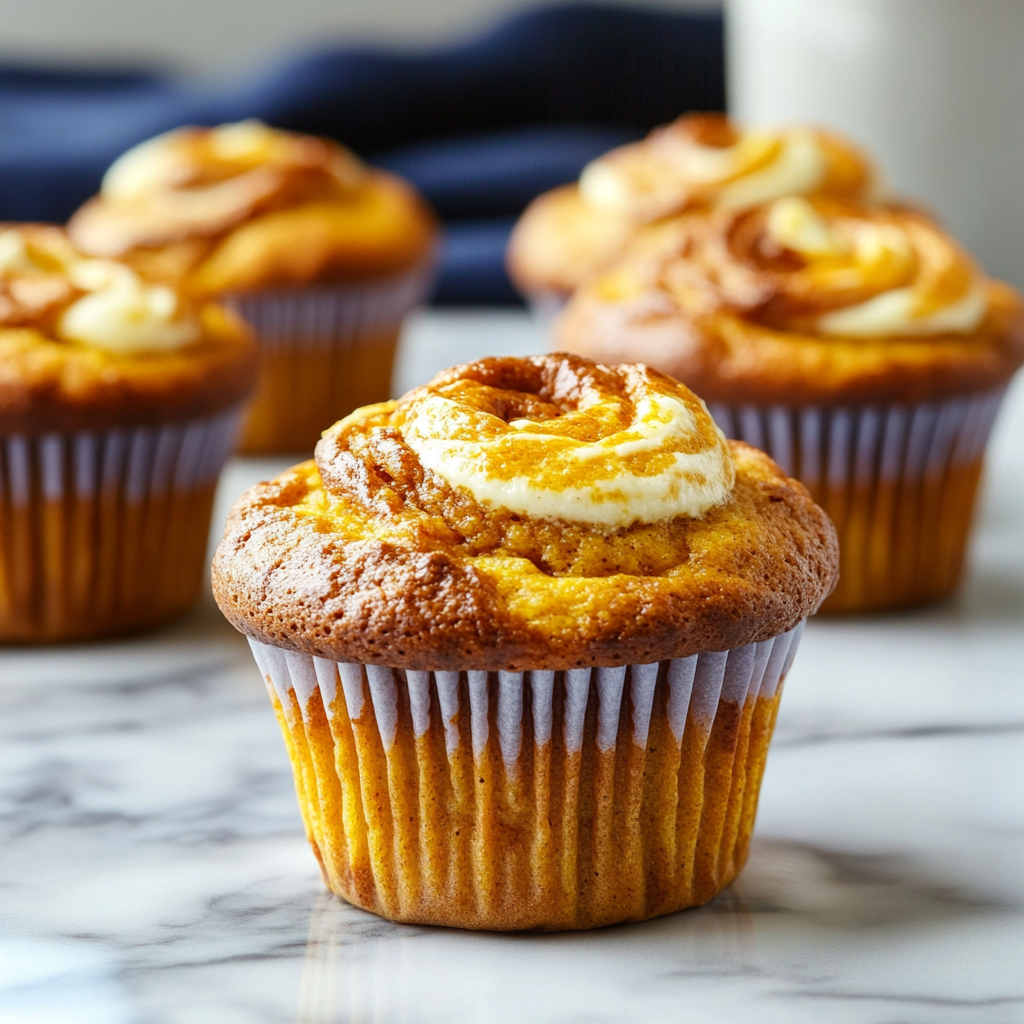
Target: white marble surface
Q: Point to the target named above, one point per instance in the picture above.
(153, 867)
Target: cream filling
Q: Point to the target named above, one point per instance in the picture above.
(14, 254)
(895, 313)
(794, 224)
(708, 165)
(615, 495)
(799, 168)
(242, 140)
(156, 164)
(120, 313)
(128, 318)
(602, 185)
(150, 166)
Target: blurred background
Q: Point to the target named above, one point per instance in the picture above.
(483, 104)
(213, 36)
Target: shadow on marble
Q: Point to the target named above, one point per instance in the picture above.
(766, 936)
(844, 890)
(992, 594)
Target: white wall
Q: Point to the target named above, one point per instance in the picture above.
(211, 35)
(933, 88)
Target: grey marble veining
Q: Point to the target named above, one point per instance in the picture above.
(153, 868)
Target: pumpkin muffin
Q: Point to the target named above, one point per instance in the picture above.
(119, 401)
(862, 348)
(525, 631)
(323, 255)
(697, 164)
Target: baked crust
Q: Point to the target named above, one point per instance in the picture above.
(698, 299)
(305, 211)
(562, 238)
(49, 381)
(52, 385)
(373, 559)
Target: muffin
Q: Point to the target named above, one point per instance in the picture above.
(863, 349)
(699, 163)
(119, 401)
(525, 631)
(322, 255)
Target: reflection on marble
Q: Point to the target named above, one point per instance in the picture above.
(153, 868)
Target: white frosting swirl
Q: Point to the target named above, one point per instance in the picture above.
(615, 460)
(128, 317)
(655, 178)
(917, 306)
(119, 311)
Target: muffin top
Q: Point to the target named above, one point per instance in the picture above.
(244, 206)
(700, 162)
(803, 300)
(540, 513)
(88, 344)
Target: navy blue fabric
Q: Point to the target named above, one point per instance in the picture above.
(472, 264)
(480, 126)
(498, 173)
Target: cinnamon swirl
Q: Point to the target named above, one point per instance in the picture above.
(699, 163)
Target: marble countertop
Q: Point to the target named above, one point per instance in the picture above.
(153, 867)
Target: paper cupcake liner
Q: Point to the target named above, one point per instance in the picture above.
(105, 531)
(324, 351)
(899, 482)
(529, 800)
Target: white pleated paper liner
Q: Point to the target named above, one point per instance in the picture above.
(336, 314)
(325, 349)
(898, 481)
(620, 742)
(103, 531)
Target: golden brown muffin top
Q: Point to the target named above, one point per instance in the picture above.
(245, 206)
(801, 301)
(700, 162)
(88, 344)
(520, 514)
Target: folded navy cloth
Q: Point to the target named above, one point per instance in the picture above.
(480, 126)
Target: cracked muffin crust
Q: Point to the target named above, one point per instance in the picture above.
(422, 536)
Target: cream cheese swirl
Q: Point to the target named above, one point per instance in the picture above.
(704, 161)
(643, 452)
(913, 280)
(95, 302)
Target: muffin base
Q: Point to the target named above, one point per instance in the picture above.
(324, 351)
(537, 800)
(106, 532)
(899, 482)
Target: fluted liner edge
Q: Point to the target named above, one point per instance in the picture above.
(536, 800)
